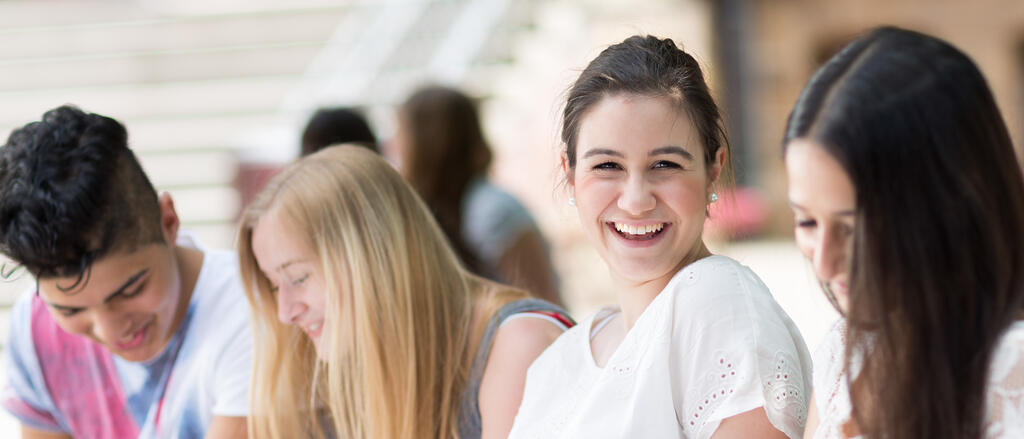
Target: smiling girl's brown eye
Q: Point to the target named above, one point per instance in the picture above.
(665, 164)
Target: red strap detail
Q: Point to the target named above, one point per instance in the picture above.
(562, 318)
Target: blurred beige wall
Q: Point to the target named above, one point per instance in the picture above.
(793, 37)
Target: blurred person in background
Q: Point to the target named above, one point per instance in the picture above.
(442, 152)
(332, 126)
(134, 328)
(697, 347)
(367, 324)
(909, 203)
(326, 127)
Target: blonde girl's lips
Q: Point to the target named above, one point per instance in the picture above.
(314, 330)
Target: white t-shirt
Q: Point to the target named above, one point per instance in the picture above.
(711, 345)
(67, 383)
(1004, 398)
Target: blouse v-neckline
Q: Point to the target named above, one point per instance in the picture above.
(628, 337)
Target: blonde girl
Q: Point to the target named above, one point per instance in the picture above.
(366, 325)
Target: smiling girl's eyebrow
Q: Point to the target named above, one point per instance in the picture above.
(602, 151)
(672, 149)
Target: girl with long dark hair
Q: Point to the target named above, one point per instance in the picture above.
(909, 203)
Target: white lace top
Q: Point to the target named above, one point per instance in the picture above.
(1004, 416)
(711, 345)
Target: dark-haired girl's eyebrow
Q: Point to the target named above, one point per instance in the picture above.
(850, 212)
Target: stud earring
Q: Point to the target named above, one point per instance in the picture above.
(714, 197)
(572, 201)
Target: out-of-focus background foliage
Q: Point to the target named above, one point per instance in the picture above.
(214, 94)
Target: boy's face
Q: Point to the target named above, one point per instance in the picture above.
(129, 301)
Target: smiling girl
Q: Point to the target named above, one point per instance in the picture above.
(696, 347)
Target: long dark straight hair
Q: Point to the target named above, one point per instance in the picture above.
(937, 270)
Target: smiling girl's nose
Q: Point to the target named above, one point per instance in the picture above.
(636, 197)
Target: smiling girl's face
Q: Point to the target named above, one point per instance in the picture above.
(642, 186)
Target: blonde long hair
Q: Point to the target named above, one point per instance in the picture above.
(399, 330)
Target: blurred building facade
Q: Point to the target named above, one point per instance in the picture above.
(789, 39)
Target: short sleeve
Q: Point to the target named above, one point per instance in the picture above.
(736, 350)
(492, 221)
(1004, 410)
(232, 377)
(828, 357)
(24, 393)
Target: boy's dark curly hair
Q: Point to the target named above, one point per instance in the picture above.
(72, 192)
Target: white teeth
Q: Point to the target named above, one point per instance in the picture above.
(639, 230)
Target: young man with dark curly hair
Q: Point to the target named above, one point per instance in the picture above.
(134, 328)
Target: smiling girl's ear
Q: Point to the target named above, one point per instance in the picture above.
(715, 170)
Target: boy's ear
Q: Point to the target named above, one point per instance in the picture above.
(169, 222)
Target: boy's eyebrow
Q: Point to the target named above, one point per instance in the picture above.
(125, 286)
(135, 277)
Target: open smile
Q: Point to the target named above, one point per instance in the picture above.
(638, 235)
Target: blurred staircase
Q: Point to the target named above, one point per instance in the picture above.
(202, 89)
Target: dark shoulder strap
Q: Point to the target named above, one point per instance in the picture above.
(469, 414)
